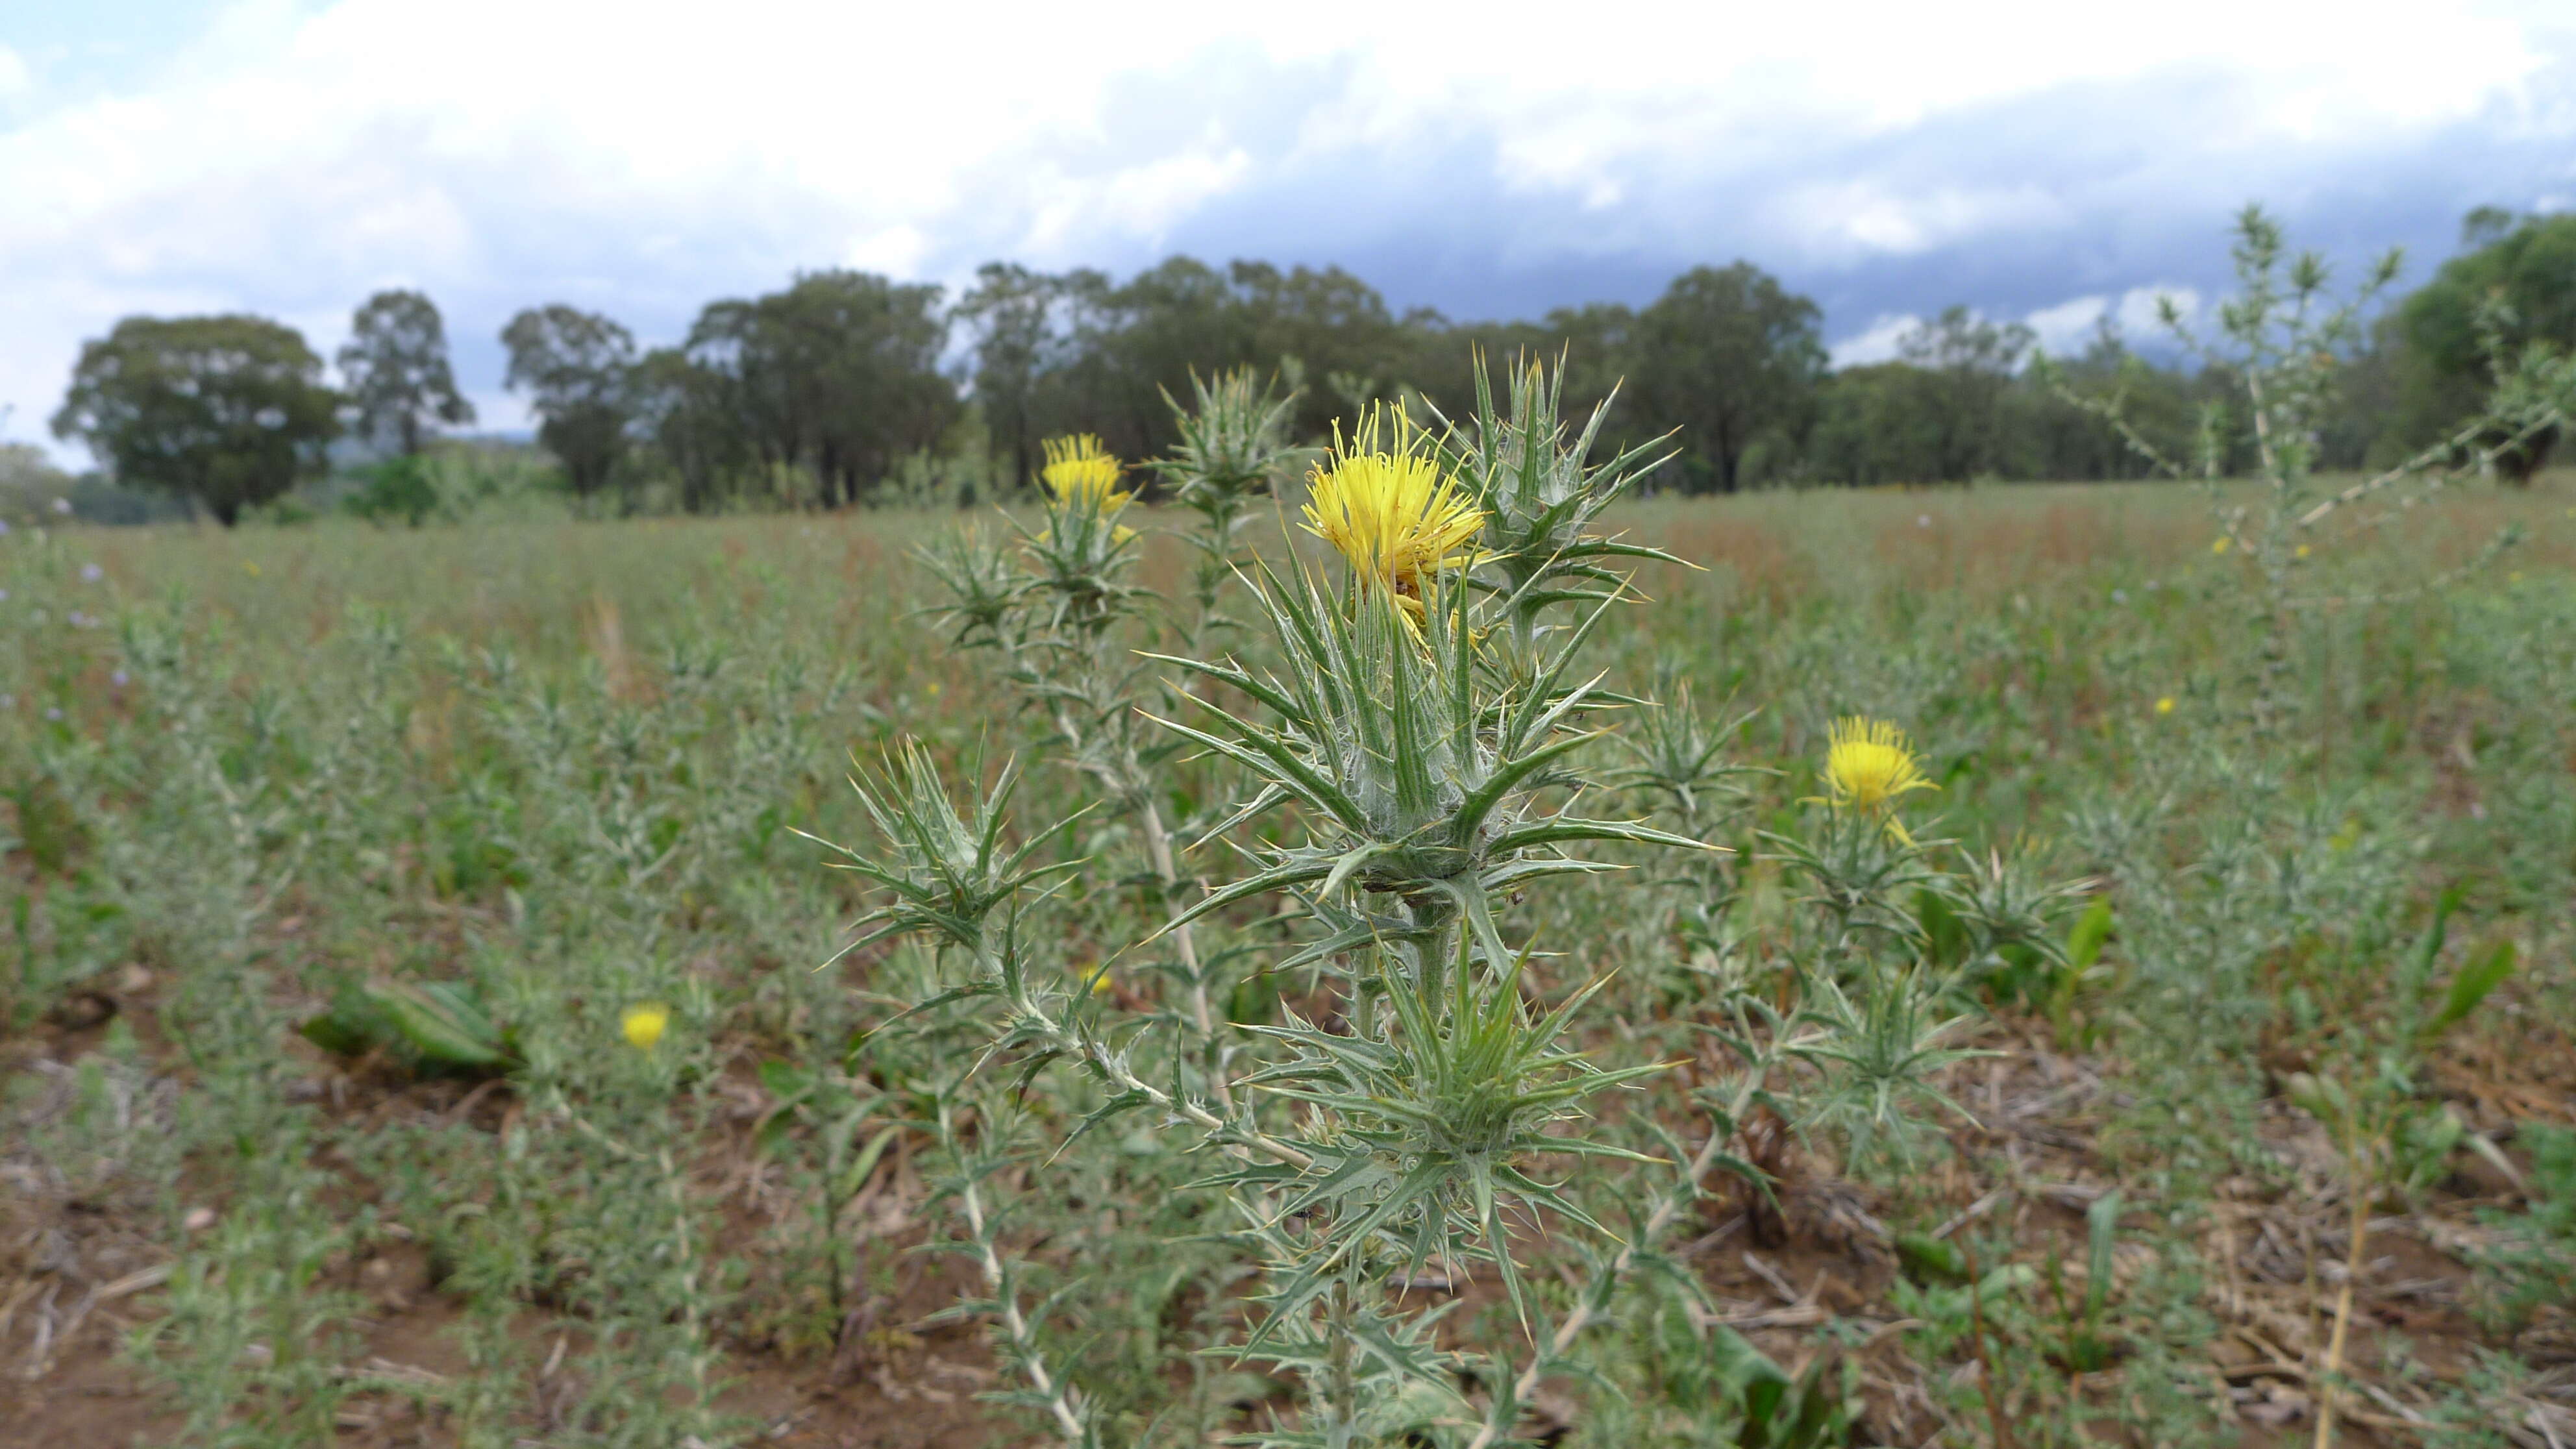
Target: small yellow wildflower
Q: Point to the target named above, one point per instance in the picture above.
(1868, 764)
(1391, 512)
(2219, 545)
(645, 1022)
(2165, 705)
(2302, 551)
(1080, 471)
(2514, 578)
(251, 569)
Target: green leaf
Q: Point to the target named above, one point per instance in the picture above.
(1946, 939)
(2471, 986)
(442, 1024)
(857, 1176)
(1928, 1259)
(785, 1080)
(435, 1025)
(2085, 940)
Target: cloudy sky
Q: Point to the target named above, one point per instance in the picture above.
(2041, 162)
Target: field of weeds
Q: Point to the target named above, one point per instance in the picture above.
(2039, 994)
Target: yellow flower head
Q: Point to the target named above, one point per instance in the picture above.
(2165, 705)
(2302, 550)
(1391, 512)
(1869, 763)
(1080, 471)
(2219, 545)
(645, 1022)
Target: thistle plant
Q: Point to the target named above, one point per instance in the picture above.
(1407, 724)
(1432, 782)
(1903, 937)
(1432, 785)
(1056, 627)
(1679, 763)
(2285, 337)
(1531, 474)
(1081, 550)
(1233, 448)
(983, 585)
(1861, 861)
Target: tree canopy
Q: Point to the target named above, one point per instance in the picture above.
(576, 368)
(394, 369)
(845, 386)
(226, 412)
(2516, 289)
(1733, 355)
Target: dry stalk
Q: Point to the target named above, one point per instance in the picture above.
(2332, 1371)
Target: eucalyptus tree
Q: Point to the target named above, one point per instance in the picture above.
(838, 372)
(1726, 355)
(394, 368)
(227, 412)
(577, 368)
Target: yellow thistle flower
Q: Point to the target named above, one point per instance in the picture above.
(1080, 471)
(2219, 545)
(2165, 705)
(1868, 763)
(1391, 512)
(645, 1022)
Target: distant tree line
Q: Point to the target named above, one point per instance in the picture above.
(818, 393)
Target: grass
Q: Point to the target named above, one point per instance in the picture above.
(557, 768)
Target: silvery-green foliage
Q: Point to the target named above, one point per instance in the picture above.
(2286, 338)
(1531, 470)
(1679, 759)
(1420, 772)
(984, 587)
(1880, 1044)
(1233, 448)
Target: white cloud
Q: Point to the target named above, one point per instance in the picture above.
(13, 74)
(2068, 327)
(1876, 343)
(2141, 312)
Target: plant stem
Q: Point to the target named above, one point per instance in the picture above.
(1158, 847)
(2352, 1264)
(1062, 1405)
(1114, 1069)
